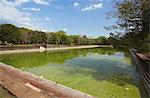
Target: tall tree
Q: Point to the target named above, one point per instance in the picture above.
(9, 33)
(102, 40)
(132, 18)
(25, 35)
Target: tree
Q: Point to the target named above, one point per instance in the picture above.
(13, 34)
(62, 36)
(38, 37)
(132, 18)
(49, 38)
(9, 33)
(83, 40)
(25, 35)
(114, 40)
(101, 40)
(69, 40)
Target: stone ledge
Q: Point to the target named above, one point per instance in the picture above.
(49, 89)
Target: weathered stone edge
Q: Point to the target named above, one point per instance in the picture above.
(71, 93)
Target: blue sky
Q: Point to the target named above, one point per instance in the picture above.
(84, 17)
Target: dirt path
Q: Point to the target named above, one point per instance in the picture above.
(26, 85)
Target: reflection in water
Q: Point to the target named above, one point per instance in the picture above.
(102, 72)
(38, 59)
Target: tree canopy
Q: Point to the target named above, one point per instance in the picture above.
(15, 35)
(133, 25)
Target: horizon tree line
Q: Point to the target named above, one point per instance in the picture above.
(11, 34)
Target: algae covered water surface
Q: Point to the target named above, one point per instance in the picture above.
(102, 72)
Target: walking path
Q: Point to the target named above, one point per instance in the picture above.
(50, 49)
(25, 85)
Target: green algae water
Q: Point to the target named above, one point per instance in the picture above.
(5, 94)
(102, 72)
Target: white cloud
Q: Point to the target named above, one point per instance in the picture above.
(76, 4)
(47, 19)
(22, 1)
(31, 26)
(32, 9)
(47, 30)
(9, 3)
(42, 2)
(44, 30)
(12, 14)
(65, 29)
(26, 24)
(92, 7)
(35, 9)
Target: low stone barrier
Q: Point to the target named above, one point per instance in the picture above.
(34, 85)
(48, 49)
